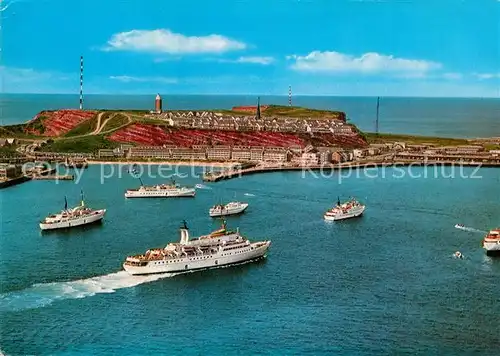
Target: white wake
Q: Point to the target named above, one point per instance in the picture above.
(249, 194)
(43, 294)
(202, 186)
(470, 229)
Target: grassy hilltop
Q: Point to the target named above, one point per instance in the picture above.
(88, 131)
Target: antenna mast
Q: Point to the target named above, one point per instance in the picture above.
(81, 82)
(376, 120)
(289, 95)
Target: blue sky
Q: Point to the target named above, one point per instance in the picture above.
(319, 47)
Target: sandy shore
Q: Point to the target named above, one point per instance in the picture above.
(170, 163)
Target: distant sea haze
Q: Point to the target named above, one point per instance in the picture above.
(445, 117)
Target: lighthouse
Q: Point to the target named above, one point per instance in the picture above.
(158, 104)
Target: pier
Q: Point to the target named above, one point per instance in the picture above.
(54, 177)
(234, 173)
(13, 181)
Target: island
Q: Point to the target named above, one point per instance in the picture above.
(254, 139)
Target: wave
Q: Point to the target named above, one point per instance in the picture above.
(180, 175)
(44, 294)
(249, 194)
(470, 229)
(202, 186)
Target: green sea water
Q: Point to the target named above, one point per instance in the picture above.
(385, 283)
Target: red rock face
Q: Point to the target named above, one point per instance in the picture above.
(151, 135)
(59, 122)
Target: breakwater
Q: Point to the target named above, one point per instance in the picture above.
(234, 173)
(54, 177)
(14, 181)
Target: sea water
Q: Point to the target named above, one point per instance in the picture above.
(384, 283)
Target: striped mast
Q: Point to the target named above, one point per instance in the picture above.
(81, 82)
(258, 108)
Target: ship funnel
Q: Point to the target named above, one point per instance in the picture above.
(184, 233)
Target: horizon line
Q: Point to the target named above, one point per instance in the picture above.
(261, 95)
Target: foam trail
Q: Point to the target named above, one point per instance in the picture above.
(470, 229)
(40, 295)
(202, 186)
(249, 194)
(180, 175)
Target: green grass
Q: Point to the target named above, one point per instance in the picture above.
(411, 139)
(296, 111)
(152, 122)
(87, 144)
(115, 122)
(85, 127)
(288, 111)
(491, 146)
(37, 124)
(16, 131)
(9, 151)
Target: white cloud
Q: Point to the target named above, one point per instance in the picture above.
(452, 76)
(368, 63)
(166, 41)
(256, 60)
(130, 79)
(485, 76)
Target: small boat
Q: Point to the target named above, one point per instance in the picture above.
(491, 242)
(77, 216)
(458, 254)
(459, 226)
(232, 208)
(347, 210)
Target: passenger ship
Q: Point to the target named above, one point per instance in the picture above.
(347, 210)
(491, 242)
(160, 191)
(77, 216)
(231, 208)
(219, 248)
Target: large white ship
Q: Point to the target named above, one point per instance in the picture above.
(232, 208)
(220, 248)
(347, 210)
(160, 191)
(77, 216)
(491, 242)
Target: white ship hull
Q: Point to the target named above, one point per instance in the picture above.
(161, 193)
(76, 221)
(254, 251)
(492, 247)
(342, 216)
(225, 212)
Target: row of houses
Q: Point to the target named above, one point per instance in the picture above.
(413, 156)
(44, 156)
(8, 171)
(308, 156)
(208, 120)
(7, 141)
